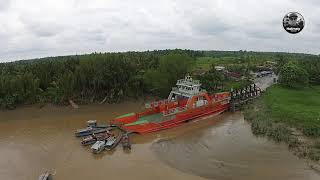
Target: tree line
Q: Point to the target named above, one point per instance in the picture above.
(298, 73)
(84, 78)
(114, 76)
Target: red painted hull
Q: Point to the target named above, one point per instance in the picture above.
(218, 104)
(152, 127)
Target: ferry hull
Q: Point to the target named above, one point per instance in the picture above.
(186, 101)
(176, 120)
(152, 127)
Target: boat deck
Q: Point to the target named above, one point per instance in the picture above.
(153, 118)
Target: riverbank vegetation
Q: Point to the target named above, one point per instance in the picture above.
(290, 111)
(112, 77)
(87, 78)
(288, 115)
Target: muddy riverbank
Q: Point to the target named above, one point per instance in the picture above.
(228, 150)
(221, 147)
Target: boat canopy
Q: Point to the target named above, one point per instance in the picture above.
(186, 87)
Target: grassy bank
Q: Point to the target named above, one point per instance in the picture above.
(289, 115)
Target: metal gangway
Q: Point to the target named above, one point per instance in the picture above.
(242, 96)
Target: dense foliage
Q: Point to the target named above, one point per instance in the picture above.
(171, 67)
(213, 80)
(312, 66)
(114, 76)
(292, 75)
(297, 73)
(86, 78)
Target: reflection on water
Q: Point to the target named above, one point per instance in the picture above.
(33, 140)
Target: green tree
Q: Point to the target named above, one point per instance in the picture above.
(115, 76)
(212, 80)
(281, 60)
(171, 68)
(292, 75)
(312, 66)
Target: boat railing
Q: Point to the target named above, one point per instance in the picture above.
(188, 82)
(173, 111)
(175, 89)
(156, 103)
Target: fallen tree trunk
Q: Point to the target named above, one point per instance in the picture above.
(73, 104)
(104, 100)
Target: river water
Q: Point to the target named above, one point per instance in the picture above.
(34, 139)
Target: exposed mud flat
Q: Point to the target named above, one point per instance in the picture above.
(33, 140)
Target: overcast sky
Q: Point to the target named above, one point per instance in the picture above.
(39, 28)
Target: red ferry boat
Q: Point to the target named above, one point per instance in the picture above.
(185, 102)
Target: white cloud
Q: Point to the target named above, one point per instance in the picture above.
(37, 28)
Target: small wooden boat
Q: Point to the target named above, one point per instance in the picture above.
(93, 124)
(88, 140)
(98, 146)
(45, 176)
(126, 145)
(113, 142)
(89, 131)
(110, 141)
(94, 137)
(92, 128)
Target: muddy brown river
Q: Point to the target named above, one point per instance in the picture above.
(33, 140)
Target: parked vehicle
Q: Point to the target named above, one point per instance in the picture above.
(264, 73)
